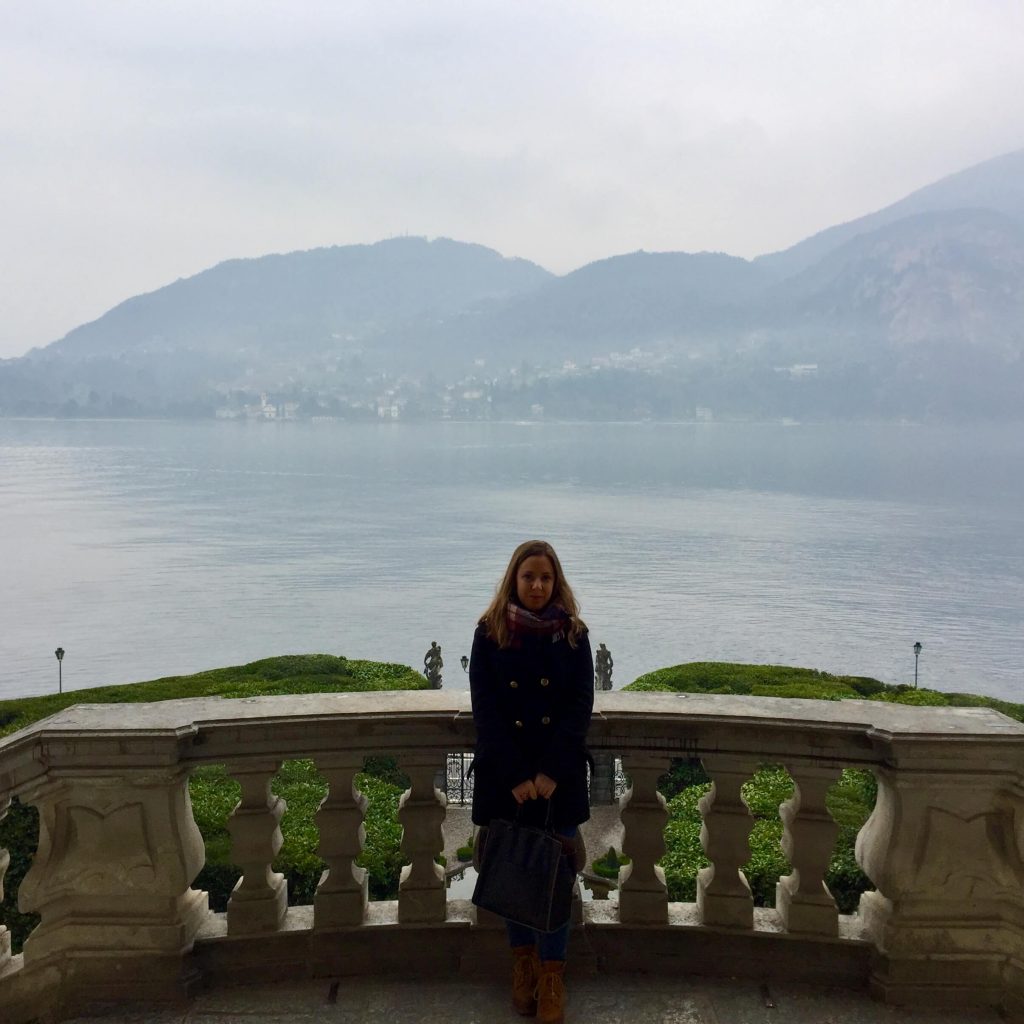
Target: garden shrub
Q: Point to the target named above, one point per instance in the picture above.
(465, 853)
(759, 680)
(381, 855)
(608, 865)
(219, 881)
(684, 856)
(844, 878)
(865, 685)
(682, 772)
(918, 698)
(303, 788)
(385, 767)
(19, 834)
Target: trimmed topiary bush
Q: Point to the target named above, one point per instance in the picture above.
(608, 865)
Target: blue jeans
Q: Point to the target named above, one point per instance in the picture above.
(550, 945)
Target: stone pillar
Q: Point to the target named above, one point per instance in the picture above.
(259, 900)
(421, 810)
(802, 899)
(723, 893)
(111, 881)
(946, 851)
(5, 859)
(341, 895)
(643, 894)
(602, 778)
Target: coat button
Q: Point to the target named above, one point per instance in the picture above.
(514, 685)
(544, 682)
(545, 720)
(519, 724)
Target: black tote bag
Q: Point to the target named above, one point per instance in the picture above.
(524, 876)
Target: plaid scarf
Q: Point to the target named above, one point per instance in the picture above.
(552, 622)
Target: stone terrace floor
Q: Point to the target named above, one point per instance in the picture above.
(593, 1000)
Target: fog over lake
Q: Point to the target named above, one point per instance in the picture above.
(150, 548)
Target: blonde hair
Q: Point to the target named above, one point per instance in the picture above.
(495, 619)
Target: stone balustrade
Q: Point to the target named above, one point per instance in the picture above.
(119, 849)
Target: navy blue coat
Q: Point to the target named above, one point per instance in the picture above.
(532, 707)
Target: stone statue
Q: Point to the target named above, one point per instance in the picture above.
(603, 668)
(432, 665)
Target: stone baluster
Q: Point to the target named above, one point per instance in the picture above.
(259, 900)
(5, 859)
(341, 895)
(643, 894)
(421, 810)
(111, 880)
(945, 847)
(802, 899)
(723, 893)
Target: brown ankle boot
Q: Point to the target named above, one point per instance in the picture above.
(525, 971)
(551, 992)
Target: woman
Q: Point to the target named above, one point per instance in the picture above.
(532, 681)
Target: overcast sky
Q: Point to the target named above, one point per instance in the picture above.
(148, 141)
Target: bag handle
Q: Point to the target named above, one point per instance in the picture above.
(547, 816)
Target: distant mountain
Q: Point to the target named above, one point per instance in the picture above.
(303, 300)
(931, 304)
(996, 185)
(642, 294)
(915, 310)
(946, 277)
(639, 299)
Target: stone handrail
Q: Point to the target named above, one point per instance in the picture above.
(119, 849)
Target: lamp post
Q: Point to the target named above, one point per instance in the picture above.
(464, 662)
(917, 654)
(60, 679)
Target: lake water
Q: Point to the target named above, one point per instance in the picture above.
(158, 548)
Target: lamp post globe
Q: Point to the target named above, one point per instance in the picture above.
(464, 662)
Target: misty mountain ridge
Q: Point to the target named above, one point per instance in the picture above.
(996, 185)
(932, 286)
(942, 276)
(299, 298)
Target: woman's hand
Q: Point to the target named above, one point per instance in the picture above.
(525, 791)
(544, 785)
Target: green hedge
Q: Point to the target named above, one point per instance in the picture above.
(758, 680)
(804, 683)
(290, 673)
(19, 835)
